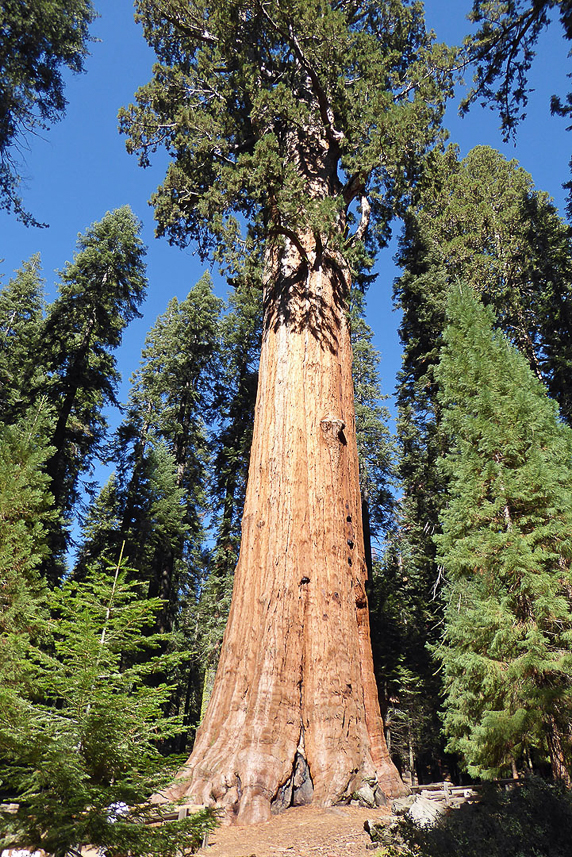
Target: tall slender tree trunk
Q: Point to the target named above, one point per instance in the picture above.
(294, 715)
(558, 761)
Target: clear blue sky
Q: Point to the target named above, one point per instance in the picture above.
(79, 169)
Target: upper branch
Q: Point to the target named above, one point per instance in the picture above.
(326, 112)
(190, 28)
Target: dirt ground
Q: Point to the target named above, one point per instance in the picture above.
(298, 832)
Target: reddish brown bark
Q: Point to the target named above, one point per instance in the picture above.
(558, 762)
(294, 715)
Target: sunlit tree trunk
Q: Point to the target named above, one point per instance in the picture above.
(294, 715)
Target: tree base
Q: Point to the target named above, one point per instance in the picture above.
(246, 804)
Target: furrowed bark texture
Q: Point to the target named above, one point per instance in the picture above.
(294, 714)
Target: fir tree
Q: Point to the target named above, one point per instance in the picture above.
(101, 530)
(158, 501)
(21, 315)
(98, 296)
(78, 737)
(26, 512)
(169, 404)
(375, 449)
(506, 549)
(240, 335)
(482, 221)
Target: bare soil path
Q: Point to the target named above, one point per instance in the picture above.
(304, 831)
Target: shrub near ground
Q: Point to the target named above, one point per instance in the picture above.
(531, 820)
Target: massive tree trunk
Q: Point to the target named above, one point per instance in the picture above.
(294, 715)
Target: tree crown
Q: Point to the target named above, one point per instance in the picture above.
(260, 103)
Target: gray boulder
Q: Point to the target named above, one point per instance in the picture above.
(425, 812)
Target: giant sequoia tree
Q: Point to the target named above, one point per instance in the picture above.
(307, 118)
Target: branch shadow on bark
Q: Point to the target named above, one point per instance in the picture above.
(290, 302)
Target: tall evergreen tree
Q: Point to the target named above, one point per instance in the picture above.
(375, 448)
(292, 115)
(22, 309)
(158, 502)
(240, 335)
(482, 221)
(507, 552)
(98, 296)
(169, 403)
(241, 331)
(26, 513)
(101, 530)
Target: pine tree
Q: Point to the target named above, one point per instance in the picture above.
(169, 403)
(101, 530)
(98, 296)
(506, 549)
(375, 449)
(240, 335)
(26, 512)
(158, 501)
(482, 220)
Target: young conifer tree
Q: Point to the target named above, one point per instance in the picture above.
(79, 727)
(296, 116)
(506, 548)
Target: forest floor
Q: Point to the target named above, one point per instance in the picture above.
(304, 831)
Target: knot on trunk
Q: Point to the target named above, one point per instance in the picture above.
(333, 429)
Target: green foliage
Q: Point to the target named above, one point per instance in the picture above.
(158, 501)
(237, 384)
(78, 740)
(98, 296)
(502, 50)
(375, 449)
(26, 508)
(169, 407)
(529, 820)
(21, 319)
(479, 220)
(482, 221)
(506, 549)
(246, 94)
(37, 39)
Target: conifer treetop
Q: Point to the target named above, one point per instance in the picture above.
(246, 92)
